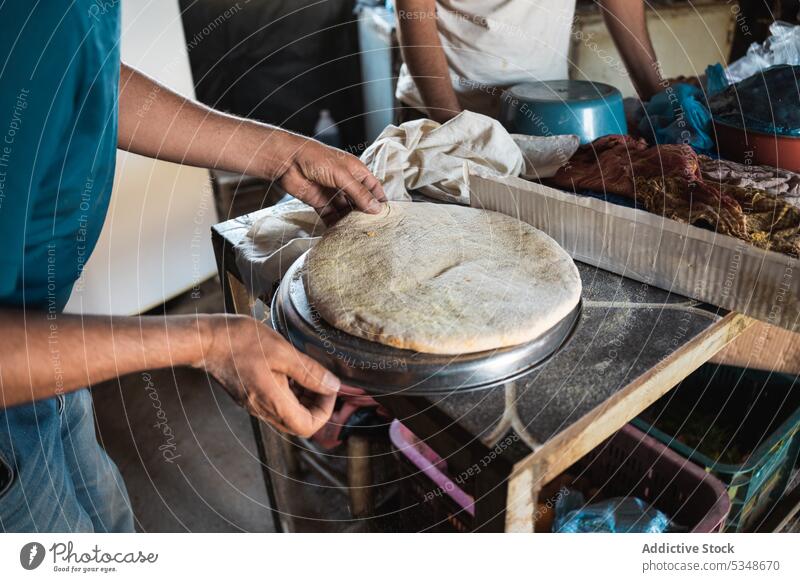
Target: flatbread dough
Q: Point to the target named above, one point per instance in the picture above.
(440, 278)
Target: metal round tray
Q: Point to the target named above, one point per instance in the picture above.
(383, 369)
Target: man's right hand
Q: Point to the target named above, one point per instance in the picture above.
(255, 366)
(330, 180)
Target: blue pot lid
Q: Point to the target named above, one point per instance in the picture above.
(564, 90)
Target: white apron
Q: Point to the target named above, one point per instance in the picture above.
(493, 44)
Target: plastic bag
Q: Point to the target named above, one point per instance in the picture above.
(616, 515)
(716, 79)
(781, 48)
(678, 115)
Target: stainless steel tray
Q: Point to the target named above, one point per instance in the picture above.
(383, 369)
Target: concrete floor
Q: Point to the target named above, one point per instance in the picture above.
(185, 450)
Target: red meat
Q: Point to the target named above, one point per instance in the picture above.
(612, 164)
(617, 163)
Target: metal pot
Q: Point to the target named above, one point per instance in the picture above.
(588, 110)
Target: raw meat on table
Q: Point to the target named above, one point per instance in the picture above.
(770, 223)
(616, 163)
(668, 180)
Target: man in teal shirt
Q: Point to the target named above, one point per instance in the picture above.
(66, 104)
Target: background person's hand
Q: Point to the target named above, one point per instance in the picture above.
(334, 182)
(254, 364)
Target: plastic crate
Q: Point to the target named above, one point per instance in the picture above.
(630, 463)
(755, 414)
(424, 473)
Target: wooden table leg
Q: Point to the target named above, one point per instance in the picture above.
(523, 494)
(359, 476)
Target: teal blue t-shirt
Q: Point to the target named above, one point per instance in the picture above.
(59, 73)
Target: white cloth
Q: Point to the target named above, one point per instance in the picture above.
(437, 159)
(495, 44)
(274, 241)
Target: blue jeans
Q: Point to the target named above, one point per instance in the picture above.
(54, 477)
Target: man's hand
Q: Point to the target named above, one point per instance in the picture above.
(156, 122)
(332, 181)
(255, 365)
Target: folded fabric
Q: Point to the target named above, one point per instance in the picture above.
(716, 79)
(769, 222)
(274, 241)
(437, 159)
(668, 180)
(678, 115)
(611, 164)
(543, 156)
(782, 183)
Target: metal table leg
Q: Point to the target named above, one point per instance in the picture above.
(237, 301)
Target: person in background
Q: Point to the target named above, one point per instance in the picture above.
(461, 54)
(67, 104)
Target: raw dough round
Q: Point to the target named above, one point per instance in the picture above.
(440, 278)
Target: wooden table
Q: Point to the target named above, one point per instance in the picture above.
(632, 345)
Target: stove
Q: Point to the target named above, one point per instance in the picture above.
(381, 369)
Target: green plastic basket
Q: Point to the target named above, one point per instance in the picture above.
(742, 425)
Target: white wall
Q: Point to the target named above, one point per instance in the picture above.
(686, 37)
(156, 241)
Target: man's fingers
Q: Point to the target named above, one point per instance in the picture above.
(319, 411)
(328, 214)
(370, 182)
(309, 192)
(357, 192)
(307, 372)
(297, 418)
(339, 201)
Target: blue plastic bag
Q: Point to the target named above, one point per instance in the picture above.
(678, 114)
(716, 79)
(616, 515)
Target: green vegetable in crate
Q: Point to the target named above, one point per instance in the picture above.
(701, 431)
(741, 425)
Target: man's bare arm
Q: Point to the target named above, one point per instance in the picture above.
(626, 22)
(156, 122)
(425, 58)
(42, 356)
